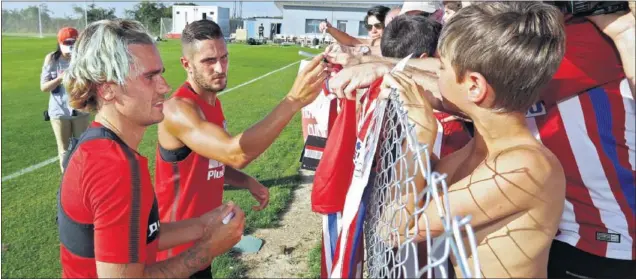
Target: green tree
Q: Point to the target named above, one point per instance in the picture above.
(25, 20)
(149, 14)
(94, 13)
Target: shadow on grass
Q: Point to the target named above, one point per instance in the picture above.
(291, 182)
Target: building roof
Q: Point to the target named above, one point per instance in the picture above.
(331, 4)
(270, 17)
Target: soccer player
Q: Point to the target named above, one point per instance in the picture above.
(107, 212)
(495, 59)
(196, 155)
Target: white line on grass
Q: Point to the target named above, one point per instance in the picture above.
(251, 81)
(29, 169)
(54, 159)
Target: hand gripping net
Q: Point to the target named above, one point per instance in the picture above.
(395, 175)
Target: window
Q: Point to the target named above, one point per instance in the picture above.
(342, 25)
(312, 25)
(362, 29)
(276, 28)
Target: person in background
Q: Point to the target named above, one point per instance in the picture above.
(450, 8)
(374, 22)
(391, 15)
(418, 8)
(65, 121)
(261, 31)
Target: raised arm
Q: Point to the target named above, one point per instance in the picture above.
(621, 28)
(341, 37)
(47, 82)
(184, 121)
(429, 64)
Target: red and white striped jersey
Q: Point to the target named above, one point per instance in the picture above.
(587, 120)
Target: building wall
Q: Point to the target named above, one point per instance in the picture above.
(295, 19)
(251, 25)
(182, 15)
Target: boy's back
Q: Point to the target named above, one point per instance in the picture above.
(516, 245)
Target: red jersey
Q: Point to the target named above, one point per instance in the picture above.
(587, 120)
(107, 209)
(188, 184)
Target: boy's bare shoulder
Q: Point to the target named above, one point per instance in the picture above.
(533, 166)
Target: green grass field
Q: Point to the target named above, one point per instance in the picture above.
(29, 232)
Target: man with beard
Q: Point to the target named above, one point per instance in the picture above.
(195, 154)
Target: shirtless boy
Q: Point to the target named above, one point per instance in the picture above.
(495, 58)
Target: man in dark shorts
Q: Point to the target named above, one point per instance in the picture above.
(107, 211)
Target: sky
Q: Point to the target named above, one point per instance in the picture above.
(62, 9)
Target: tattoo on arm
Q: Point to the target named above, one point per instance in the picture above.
(184, 265)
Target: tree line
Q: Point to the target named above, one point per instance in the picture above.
(26, 20)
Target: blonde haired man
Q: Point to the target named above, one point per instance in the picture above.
(107, 211)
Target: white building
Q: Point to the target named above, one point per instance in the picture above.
(272, 26)
(183, 15)
(301, 18)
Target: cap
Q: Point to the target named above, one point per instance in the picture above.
(66, 33)
(418, 6)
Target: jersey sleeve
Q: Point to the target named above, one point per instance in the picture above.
(590, 60)
(115, 202)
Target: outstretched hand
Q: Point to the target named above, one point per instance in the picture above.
(323, 26)
(309, 81)
(219, 237)
(419, 110)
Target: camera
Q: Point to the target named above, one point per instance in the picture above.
(590, 8)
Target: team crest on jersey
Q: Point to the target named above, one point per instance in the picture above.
(537, 109)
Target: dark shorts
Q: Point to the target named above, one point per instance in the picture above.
(204, 273)
(567, 261)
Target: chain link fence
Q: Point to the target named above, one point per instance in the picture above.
(396, 204)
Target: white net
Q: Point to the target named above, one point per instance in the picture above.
(400, 159)
(38, 21)
(165, 27)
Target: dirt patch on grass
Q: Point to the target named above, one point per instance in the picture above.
(286, 249)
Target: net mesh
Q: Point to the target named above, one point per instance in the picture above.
(36, 21)
(400, 160)
(166, 27)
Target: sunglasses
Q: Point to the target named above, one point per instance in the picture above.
(69, 42)
(377, 26)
